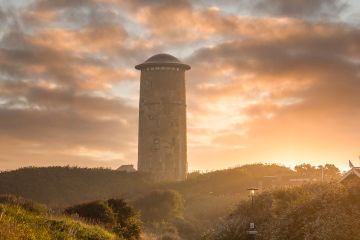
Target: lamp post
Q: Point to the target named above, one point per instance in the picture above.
(252, 230)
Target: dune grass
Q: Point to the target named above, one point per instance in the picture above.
(17, 223)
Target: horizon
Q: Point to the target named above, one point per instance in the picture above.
(202, 171)
(270, 82)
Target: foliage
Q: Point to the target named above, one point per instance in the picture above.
(162, 213)
(160, 205)
(97, 212)
(202, 193)
(66, 186)
(185, 229)
(115, 214)
(26, 204)
(17, 223)
(163, 231)
(211, 196)
(127, 220)
(328, 172)
(327, 211)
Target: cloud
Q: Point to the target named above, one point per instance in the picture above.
(315, 9)
(301, 9)
(277, 94)
(51, 126)
(56, 83)
(259, 85)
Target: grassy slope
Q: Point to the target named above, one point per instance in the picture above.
(326, 211)
(211, 196)
(208, 197)
(16, 223)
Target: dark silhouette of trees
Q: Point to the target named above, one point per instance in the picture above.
(97, 212)
(115, 214)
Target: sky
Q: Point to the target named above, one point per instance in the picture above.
(272, 81)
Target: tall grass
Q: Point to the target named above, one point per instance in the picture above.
(17, 223)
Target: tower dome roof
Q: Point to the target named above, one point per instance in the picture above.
(162, 59)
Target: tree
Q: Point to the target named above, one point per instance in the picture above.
(97, 211)
(127, 219)
(307, 170)
(114, 214)
(160, 205)
(327, 172)
(331, 172)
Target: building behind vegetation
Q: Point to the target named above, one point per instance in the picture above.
(126, 168)
(353, 175)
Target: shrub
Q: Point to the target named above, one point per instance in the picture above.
(97, 211)
(160, 205)
(315, 211)
(115, 214)
(127, 220)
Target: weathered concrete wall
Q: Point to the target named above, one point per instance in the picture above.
(162, 122)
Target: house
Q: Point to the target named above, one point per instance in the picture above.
(353, 175)
(126, 168)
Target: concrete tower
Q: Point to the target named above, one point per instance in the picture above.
(162, 118)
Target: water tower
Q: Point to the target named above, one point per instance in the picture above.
(162, 118)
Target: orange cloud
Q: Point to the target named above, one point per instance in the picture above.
(88, 40)
(261, 88)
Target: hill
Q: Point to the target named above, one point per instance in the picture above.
(65, 186)
(18, 223)
(314, 211)
(207, 196)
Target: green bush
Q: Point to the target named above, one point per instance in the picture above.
(128, 223)
(97, 211)
(115, 214)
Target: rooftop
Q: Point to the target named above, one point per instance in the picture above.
(162, 59)
(354, 171)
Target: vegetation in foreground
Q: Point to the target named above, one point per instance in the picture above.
(114, 214)
(191, 207)
(18, 223)
(328, 211)
(162, 213)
